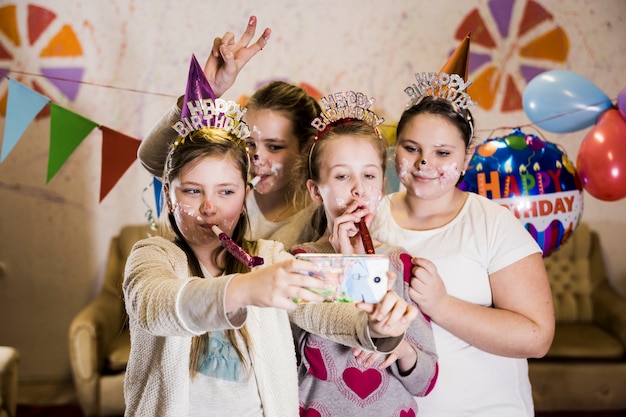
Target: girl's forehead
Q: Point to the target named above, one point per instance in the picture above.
(225, 164)
(431, 129)
(267, 119)
(272, 130)
(350, 150)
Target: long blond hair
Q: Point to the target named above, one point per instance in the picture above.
(207, 142)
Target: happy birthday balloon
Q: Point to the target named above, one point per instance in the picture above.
(532, 178)
(562, 101)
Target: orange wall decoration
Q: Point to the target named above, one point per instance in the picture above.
(523, 45)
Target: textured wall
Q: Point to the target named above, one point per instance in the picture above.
(133, 58)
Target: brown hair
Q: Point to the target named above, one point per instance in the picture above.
(461, 119)
(300, 108)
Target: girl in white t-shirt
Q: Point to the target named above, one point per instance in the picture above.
(478, 274)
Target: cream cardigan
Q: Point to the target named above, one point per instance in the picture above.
(157, 288)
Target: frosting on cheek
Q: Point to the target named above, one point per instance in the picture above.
(372, 198)
(449, 173)
(341, 203)
(276, 168)
(403, 168)
(182, 213)
(184, 209)
(270, 178)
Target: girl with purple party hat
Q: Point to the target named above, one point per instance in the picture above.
(278, 115)
(209, 310)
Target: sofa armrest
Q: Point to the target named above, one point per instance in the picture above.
(91, 333)
(609, 310)
(9, 362)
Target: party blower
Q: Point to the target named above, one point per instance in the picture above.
(365, 237)
(236, 250)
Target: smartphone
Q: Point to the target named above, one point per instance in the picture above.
(351, 278)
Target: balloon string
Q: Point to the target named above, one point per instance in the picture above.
(112, 87)
(534, 125)
(519, 127)
(149, 213)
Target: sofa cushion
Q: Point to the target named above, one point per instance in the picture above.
(584, 341)
(570, 278)
(119, 352)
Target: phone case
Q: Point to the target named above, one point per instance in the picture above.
(351, 278)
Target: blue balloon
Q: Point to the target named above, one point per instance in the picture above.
(562, 101)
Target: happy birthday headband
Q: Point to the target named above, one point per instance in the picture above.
(450, 83)
(344, 107)
(218, 113)
(201, 109)
(450, 87)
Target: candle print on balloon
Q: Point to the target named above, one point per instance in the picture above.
(532, 178)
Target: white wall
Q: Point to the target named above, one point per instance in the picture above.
(54, 236)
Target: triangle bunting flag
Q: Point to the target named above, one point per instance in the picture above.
(157, 184)
(23, 105)
(67, 131)
(118, 153)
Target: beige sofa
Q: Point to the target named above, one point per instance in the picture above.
(585, 368)
(99, 339)
(9, 369)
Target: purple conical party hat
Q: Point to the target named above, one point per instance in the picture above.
(202, 109)
(198, 86)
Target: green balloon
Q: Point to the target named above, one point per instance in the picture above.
(516, 142)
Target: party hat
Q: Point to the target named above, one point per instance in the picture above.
(458, 63)
(198, 86)
(344, 107)
(201, 108)
(450, 83)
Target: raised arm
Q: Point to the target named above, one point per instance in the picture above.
(228, 56)
(226, 60)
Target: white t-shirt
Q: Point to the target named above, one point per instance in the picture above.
(482, 239)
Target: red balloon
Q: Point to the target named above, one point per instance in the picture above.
(601, 160)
